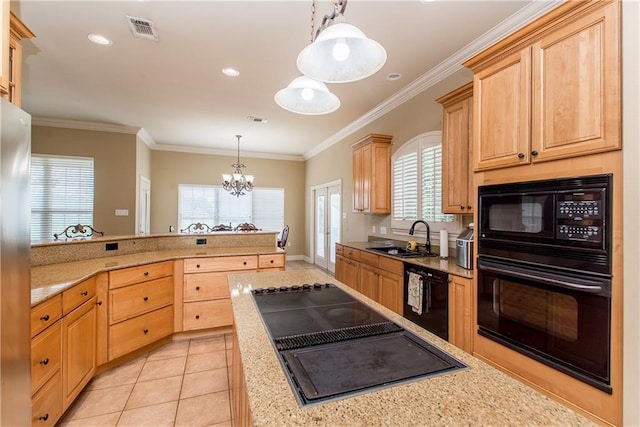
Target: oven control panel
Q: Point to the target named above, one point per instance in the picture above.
(579, 232)
(579, 209)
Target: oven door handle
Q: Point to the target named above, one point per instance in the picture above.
(575, 284)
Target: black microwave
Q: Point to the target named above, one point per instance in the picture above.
(563, 222)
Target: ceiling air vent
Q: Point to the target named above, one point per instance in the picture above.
(142, 28)
(257, 119)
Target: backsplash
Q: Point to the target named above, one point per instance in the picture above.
(78, 250)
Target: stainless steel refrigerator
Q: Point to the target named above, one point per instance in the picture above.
(15, 249)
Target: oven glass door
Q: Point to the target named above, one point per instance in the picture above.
(558, 319)
(517, 216)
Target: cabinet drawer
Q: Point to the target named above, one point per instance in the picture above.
(227, 263)
(131, 301)
(339, 249)
(207, 314)
(271, 261)
(391, 265)
(46, 356)
(351, 253)
(46, 405)
(137, 332)
(78, 295)
(205, 286)
(369, 259)
(45, 314)
(129, 276)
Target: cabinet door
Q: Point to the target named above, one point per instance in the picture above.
(455, 158)
(460, 320)
(341, 269)
(390, 291)
(576, 88)
(369, 281)
(366, 178)
(357, 180)
(502, 110)
(78, 350)
(352, 275)
(379, 202)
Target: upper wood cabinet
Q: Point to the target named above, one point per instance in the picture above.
(372, 175)
(551, 90)
(4, 47)
(457, 176)
(11, 82)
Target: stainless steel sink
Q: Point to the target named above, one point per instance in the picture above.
(399, 252)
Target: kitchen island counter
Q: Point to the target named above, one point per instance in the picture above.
(480, 395)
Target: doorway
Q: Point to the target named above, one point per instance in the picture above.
(144, 211)
(327, 200)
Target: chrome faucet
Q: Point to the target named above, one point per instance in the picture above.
(412, 229)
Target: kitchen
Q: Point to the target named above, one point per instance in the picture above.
(315, 170)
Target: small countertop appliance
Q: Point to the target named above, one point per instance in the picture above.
(464, 248)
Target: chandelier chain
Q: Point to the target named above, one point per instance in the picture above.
(313, 19)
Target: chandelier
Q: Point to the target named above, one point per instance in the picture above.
(237, 183)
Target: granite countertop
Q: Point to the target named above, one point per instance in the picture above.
(52, 279)
(443, 264)
(480, 395)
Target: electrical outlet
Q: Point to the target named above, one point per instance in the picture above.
(122, 212)
(383, 230)
(201, 241)
(111, 246)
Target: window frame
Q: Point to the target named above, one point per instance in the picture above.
(402, 226)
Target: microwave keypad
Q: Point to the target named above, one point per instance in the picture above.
(579, 232)
(579, 209)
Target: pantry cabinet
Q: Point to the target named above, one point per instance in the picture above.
(551, 91)
(457, 175)
(460, 315)
(372, 175)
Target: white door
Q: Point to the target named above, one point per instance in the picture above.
(144, 215)
(326, 230)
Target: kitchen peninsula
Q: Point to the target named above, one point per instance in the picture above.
(480, 395)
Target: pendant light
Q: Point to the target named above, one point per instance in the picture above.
(307, 96)
(341, 52)
(237, 183)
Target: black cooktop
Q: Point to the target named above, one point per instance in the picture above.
(332, 346)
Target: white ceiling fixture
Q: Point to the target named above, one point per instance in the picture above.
(99, 39)
(305, 95)
(142, 28)
(341, 52)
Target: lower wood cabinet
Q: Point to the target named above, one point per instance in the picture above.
(241, 412)
(207, 314)
(460, 312)
(132, 334)
(348, 266)
(46, 404)
(381, 279)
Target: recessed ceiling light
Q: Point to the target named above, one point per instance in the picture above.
(231, 72)
(98, 39)
(394, 76)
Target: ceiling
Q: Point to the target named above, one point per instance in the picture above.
(173, 91)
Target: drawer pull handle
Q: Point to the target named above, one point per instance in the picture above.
(197, 316)
(146, 273)
(45, 417)
(99, 303)
(244, 263)
(521, 155)
(534, 153)
(45, 317)
(469, 207)
(146, 298)
(145, 330)
(461, 207)
(84, 293)
(271, 261)
(44, 361)
(197, 265)
(197, 288)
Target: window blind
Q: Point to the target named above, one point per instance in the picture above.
(62, 194)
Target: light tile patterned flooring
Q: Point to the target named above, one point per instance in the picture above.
(184, 383)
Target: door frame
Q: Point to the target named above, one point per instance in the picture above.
(144, 189)
(312, 215)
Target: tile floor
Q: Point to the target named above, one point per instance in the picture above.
(184, 383)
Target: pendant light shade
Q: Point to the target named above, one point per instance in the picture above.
(307, 96)
(341, 53)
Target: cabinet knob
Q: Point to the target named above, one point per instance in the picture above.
(244, 263)
(271, 261)
(197, 288)
(534, 153)
(146, 298)
(45, 417)
(146, 273)
(461, 207)
(197, 265)
(44, 361)
(197, 316)
(84, 293)
(145, 330)
(45, 317)
(99, 303)
(521, 155)
(469, 207)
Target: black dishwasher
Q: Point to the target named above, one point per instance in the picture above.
(426, 299)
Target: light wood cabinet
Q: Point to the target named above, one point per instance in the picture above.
(46, 356)
(457, 175)
(45, 314)
(5, 12)
(460, 314)
(381, 279)
(17, 32)
(241, 412)
(271, 262)
(554, 93)
(78, 350)
(372, 175)
(348, 266)
(46, 404)
(140, 307)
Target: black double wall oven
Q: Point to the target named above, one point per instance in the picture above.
(544, 272)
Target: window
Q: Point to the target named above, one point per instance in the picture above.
(62, 192)
(417, 184)
(211, 205)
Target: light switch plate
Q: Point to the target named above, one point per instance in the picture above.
(122, 212)
(383, 230)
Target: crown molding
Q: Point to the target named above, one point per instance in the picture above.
(83, 125)
(147, 138)
(441, 71)
(229, 153)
